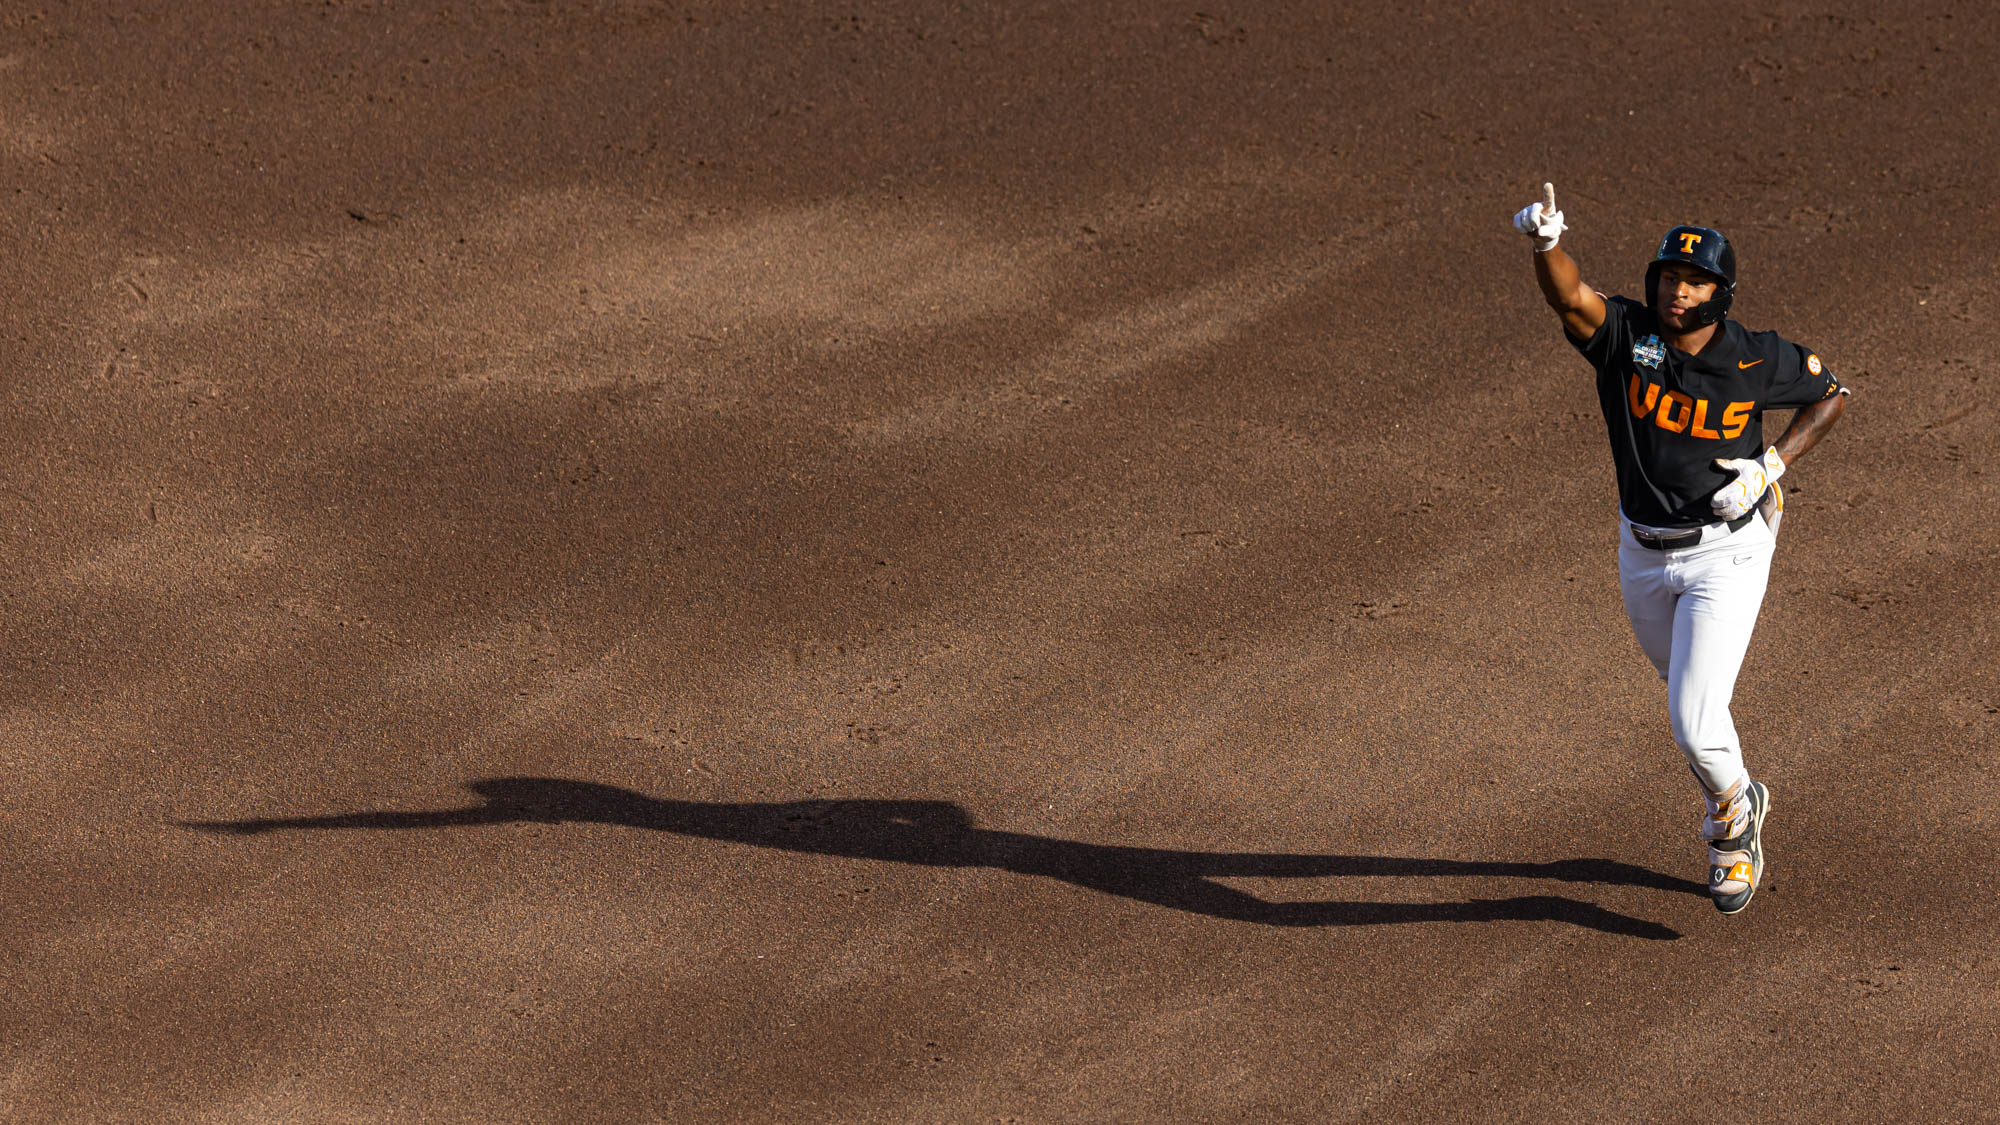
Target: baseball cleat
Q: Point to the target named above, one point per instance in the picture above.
(1736, 865)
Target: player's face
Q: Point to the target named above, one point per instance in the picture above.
(1682, 288)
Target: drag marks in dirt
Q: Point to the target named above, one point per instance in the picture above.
(1505, 977)
(1093, 358)
(707, 313)
(795, 304)
(701, 323)
(1118, 344)
(27, 137)
(713, 316)
(479, 966)
(158, 293)
(941, 834)
(143, 952)
(178, 560)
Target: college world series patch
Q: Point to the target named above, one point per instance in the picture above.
(1649, 352)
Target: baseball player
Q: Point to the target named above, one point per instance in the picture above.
(1683, 391)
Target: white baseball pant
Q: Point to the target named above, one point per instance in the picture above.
(1693, 611)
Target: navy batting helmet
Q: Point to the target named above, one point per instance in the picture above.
(1705, 249)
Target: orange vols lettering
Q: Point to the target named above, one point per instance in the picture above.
(1679, 413)
(1735, 418)
(1640, 410)
(1688, 243)
(1701, 420)
(1667, 419)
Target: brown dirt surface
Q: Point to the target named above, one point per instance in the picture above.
(607, 560)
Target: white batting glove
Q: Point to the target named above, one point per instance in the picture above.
(1752, 478)
(1542, 225)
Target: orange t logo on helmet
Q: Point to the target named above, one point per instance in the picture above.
(1689, 240)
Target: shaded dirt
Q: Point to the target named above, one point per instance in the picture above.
(624, 561)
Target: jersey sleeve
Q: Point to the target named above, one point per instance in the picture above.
(1800, 378)
(1613, 334)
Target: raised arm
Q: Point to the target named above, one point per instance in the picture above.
(1581, 309)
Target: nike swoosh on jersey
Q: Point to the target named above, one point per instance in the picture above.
(1741, 559)
(1741, 366)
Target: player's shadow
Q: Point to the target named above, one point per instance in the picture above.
(940, 834)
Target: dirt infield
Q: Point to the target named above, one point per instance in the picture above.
(622, 561)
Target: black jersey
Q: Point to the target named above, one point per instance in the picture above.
(1670, 414)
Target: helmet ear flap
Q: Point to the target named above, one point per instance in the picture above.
(1716, 307)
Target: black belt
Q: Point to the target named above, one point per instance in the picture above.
(1676, 542)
